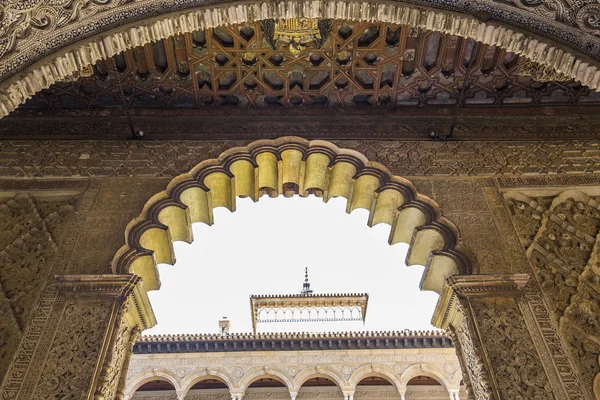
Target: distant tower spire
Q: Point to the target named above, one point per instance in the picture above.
(306, 285)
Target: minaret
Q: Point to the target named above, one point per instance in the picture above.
(306, 290)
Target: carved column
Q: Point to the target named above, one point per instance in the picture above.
(497, 352)
(93, 324)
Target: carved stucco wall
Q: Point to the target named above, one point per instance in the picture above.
(31, 233)
(107, 183)
(561, 234)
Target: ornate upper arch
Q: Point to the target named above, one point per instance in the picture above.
(200, 375)
(318, 372)
(429, 370)
(150, 375)
(380, 371)
(38, 48)
(256, 374)
(291, 166)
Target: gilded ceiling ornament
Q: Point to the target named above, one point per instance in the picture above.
(298, 33)
(540, 73)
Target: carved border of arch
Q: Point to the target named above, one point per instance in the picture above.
(319, 372)
(70, 61)
(199, 375)
(265, 372)
(375, 370)
(292, 165)
(430, 370)
(146, 376)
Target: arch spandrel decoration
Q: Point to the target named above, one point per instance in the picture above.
(115, 30)
(289, 166)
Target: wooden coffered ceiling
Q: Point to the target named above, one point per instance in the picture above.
(290, 73)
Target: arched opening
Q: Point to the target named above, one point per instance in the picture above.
(271, 386)
(321, 387)
(153, 388)
(425, 385)
(293, 166)
(209, 387)
(375, 386)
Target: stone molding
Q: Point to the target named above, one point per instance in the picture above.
(448, 311)
(127, 286)
(58, 62)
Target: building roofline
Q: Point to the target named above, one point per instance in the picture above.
(291, 341)
(294, 335)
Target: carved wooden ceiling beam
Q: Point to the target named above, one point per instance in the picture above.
(67, 46)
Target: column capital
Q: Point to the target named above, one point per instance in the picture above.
(236, 395)
(454, 394)
(459, 287)
(293, 395)
(126, 286)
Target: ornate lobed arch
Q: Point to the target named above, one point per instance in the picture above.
(68, 49)
(289, 166)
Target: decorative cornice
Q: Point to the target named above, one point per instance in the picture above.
(202, 343)
(301, 296)
(304, 301)
(486, 285)
(97, 285)
(465, 286)
(129, 287)
(406, 333)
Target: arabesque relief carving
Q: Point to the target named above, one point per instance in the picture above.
(563, 254)
(82, 158)
(506, 337)
(470, 356)
(111, 383)
(30, 230)
(75, 350)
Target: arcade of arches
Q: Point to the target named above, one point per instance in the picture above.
(469, 127)
(402, 365)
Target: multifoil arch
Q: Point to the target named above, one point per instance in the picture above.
(292, 166)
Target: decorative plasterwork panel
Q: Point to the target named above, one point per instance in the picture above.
(63, 159)
(560, 234)
(29, 232)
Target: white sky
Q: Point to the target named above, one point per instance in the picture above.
(263, 248)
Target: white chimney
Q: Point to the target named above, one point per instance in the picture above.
(224, 326)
